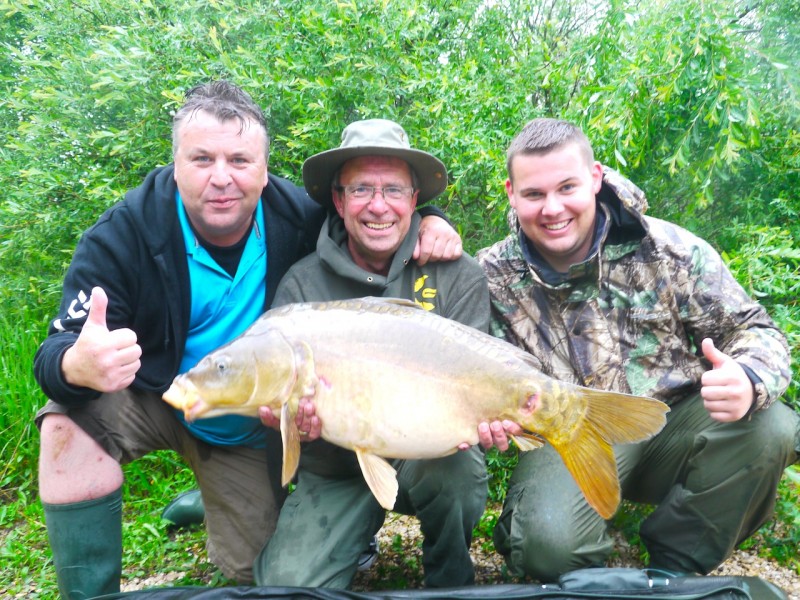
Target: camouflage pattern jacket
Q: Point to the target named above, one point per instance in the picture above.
(631, 317)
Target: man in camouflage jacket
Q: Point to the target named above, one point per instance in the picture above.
(606, 297)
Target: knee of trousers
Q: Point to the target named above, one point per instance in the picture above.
(545, 559)
(544, 542)
(782, 430)
(769, 439)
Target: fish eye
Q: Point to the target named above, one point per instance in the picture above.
(222, 365)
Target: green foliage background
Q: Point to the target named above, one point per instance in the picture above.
(695, 100)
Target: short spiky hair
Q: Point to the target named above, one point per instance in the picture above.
(223, 100)
(542, 136)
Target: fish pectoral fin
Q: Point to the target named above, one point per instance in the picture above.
(590, 460)
(290, 437)
(527, 441)
(380, 477)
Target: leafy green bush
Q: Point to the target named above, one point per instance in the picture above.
(767, 263)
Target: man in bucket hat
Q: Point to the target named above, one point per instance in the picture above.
(375, 180)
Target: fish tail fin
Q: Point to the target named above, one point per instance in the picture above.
(591, 462)
(290, 437)
(610, 418)
(623, 418)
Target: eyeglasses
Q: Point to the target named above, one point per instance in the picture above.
(367, 192)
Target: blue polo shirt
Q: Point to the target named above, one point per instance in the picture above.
(223, 306)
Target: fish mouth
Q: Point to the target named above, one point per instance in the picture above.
(183, 395)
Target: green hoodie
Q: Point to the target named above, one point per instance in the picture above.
(456, 289)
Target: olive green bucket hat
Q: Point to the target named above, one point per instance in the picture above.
(373, 137)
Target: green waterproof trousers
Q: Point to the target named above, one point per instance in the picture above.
(714, 484)
(329, 520)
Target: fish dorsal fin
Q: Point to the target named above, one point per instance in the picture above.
(290, 437)
(378, 300)
(380, 477)
(527, 441)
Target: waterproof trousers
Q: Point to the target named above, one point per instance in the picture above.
(714, 484)
(328, 521)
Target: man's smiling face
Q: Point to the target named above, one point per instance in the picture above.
(376, 226)
(554, 196)
(220, 170)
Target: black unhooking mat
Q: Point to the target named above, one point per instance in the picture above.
(609, 584)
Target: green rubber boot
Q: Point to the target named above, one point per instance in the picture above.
(86, 541)
(186, 509)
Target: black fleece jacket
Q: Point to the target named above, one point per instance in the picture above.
(136, 253)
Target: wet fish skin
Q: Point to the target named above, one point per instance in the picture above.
(390, 380)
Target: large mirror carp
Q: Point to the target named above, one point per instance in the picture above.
(390, 380)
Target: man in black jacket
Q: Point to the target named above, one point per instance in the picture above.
(183, 264)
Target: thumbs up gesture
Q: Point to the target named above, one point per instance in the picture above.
(103, 360)
(726, 389)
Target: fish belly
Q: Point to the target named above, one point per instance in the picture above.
(399, 388)
(401, 414)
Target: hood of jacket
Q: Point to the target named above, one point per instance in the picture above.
(153, 202)
(334, 255)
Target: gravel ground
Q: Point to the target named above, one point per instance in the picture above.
(399, 563)
(400, 541)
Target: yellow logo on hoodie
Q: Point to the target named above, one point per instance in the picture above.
(425, 294)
